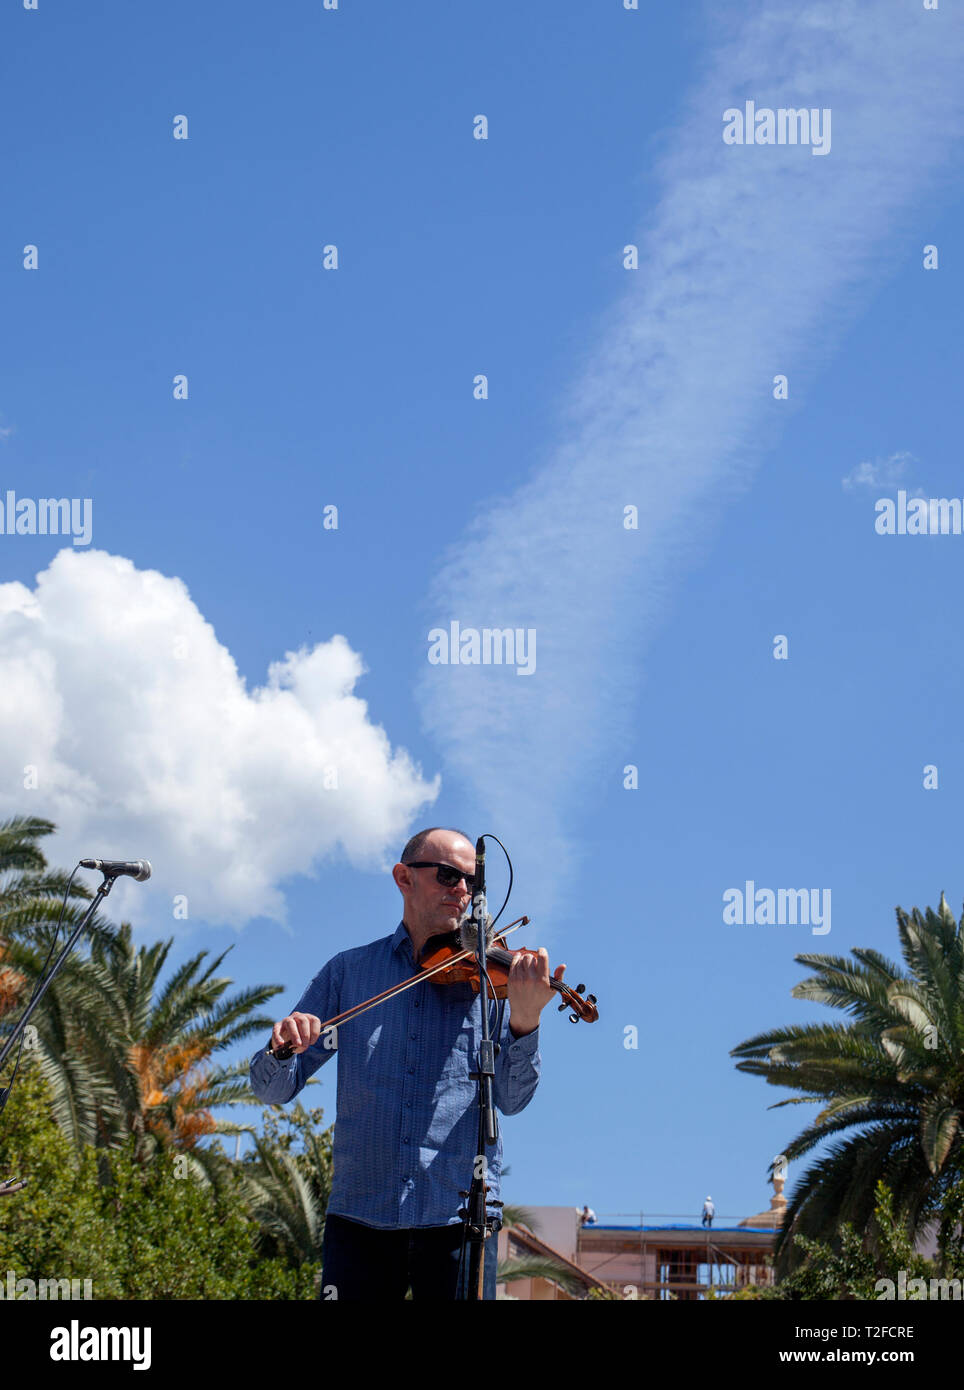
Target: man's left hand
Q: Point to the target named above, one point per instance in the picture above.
(529, 989)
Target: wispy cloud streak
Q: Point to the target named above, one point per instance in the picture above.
(750, 263)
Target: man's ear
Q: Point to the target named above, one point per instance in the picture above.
(402, 875)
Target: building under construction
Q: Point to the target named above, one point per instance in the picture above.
(646, 1258)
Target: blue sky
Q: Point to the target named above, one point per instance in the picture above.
(607, 387)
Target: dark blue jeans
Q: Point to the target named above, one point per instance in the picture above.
(366, 1263)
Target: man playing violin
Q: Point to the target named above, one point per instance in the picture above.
(406, 1131)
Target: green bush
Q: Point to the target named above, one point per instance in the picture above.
(137, 1231)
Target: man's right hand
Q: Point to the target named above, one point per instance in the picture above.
(297, 1031)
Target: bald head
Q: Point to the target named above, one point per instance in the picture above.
(432, 907)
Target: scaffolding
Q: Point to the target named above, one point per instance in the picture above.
(677, 1260)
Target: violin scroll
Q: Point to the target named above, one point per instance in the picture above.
(584, 1009)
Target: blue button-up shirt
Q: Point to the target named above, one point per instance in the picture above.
(406, 1129)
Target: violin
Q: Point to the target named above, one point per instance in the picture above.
(447, 959)
(451, 962)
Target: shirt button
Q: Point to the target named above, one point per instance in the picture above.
(411, 1071)
(406, 1141)
(408, 1105)
(416, 1002)
(413, 1036)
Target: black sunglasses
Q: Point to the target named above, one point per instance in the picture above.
(445, 874)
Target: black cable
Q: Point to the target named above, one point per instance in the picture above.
(508, 891)
(497, 1032)
(489, 1001)
(500, 1016)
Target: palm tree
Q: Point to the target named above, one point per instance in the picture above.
(31, 894)
(539, 1267)
(893, 1077)
(37, 904)
(151, 1044)
(31, 903)
(123, 1053)
(286, 1188)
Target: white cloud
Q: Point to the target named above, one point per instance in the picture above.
(751, 263)
(881, 473)
(147, 743)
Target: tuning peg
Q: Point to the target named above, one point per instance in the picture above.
(590, 999)
(563, 1007)
(580, 989)
(573, 1018)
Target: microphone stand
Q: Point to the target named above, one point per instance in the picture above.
(477, 1225)
(19, 1027)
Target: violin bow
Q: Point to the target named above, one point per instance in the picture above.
(283, 1054)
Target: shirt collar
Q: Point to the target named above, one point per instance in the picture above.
(401, 941)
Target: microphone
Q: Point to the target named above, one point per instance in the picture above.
(138, 869)
(468, 930)
(478, 892)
